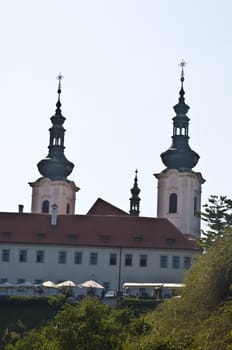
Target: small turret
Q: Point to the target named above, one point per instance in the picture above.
(135, 200)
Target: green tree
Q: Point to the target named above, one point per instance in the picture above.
(88, 326)
(217, 216)
(164, 344)
(209, 280)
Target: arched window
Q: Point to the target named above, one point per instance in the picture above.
(68, 208)
(173, 203)
(45, 207)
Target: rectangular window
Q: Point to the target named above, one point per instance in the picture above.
(176, 262)
(143, 260)
(78, 258)
(23, 255)
(93, 259)
(106, 285)
(3, 280)
(142, 292)
(40, 256)
(6, 255)
(113, 259)
(187, 262)
(62, 257)
(38, 282)
(21, 280)
(163, 261)
(128, 260)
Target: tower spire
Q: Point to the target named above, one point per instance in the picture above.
(180, 156)
(182, 64)
(135, 200)
(55, 166)
(58, 104)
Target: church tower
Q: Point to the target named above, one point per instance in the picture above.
(135, 200)
(53, 188)
(179, 187)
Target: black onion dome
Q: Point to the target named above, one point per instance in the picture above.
(180, 156)
(56, 166)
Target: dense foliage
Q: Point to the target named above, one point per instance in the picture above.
(90, 325)
(22, 313)
(202, 318)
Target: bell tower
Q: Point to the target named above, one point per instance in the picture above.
(135, 200)
(179, 187)
(53, 188)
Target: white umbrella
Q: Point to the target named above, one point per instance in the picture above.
(91, 284)
(25, 284)
(6, 285)
(49, 284)
(66, 284)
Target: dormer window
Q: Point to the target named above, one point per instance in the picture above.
(138, 238)
(170, 240)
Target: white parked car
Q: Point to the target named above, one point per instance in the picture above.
(110, 294)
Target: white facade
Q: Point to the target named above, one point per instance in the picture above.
(48, 192)
(109, 266)
(179, 199)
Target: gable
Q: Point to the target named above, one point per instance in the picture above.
(101, 207)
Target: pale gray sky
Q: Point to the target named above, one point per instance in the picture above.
(120, 61)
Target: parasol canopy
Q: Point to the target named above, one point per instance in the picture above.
(25, 284)
(48, 284)
(66, 284)
(6, 285)
(91, 284)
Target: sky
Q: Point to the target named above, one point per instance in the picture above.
(119, 59)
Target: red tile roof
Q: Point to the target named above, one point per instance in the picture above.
(93, 230)
(101, 207)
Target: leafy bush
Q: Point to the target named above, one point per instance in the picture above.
(90, 325)
(22, 301)
(137, 305)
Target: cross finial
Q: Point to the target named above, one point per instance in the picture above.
(182, 64)
(59, 77)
